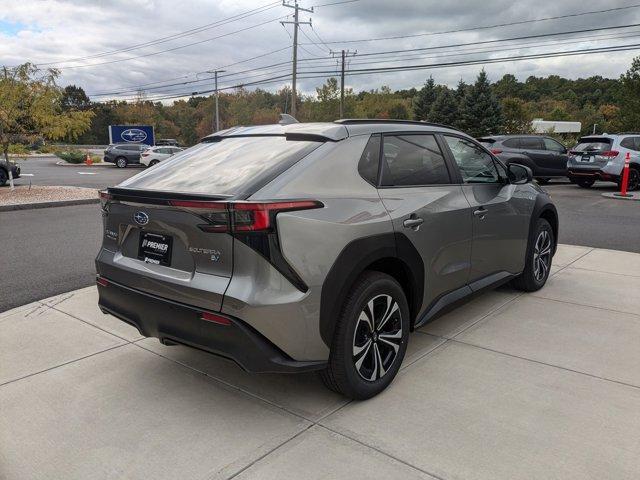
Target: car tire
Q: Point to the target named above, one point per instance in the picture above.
(543, 181)
(121, 162)
(363, 361)
(3, 177)
(585, 182)
(153, 162)
(633, 183)
(540, 252)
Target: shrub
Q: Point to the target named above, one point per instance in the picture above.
(47, 149)
(71, 155)
(18, 149)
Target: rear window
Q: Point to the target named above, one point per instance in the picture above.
(593, 145)
(231, 166)
(531, 143)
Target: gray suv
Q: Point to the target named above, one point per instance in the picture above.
(320, 246)
(545, 156)
(602, 157)
(123, 154)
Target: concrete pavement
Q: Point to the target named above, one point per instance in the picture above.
(510, 385)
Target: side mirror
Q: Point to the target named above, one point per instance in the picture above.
(519, 174)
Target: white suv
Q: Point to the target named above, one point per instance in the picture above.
(602, 157)
(154, 155)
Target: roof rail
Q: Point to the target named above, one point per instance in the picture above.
(624, 133)
(362, 121)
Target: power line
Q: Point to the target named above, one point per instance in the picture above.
(176, 48)
(322, 74)
(485, 27)
(380, 54)
(335, 3)
(193, 31)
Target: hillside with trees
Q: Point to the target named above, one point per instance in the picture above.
(505, 106)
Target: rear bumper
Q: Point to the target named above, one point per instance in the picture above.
(577, 174)
(173, 322)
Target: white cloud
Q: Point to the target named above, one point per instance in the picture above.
(55, 30)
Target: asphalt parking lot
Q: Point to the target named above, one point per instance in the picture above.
(510, 385)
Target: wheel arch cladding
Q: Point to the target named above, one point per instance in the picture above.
(547, 210)
(390, 253)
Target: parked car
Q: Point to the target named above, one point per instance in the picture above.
(4, 171)
(154, 155)
(545, 156)
(123, 154)
(291, 248)
(602, 157)
(166, 142)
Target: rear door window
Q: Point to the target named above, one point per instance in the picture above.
(413, 160)
(632, 143)
(531, 143)
(231, 166)
(551, 145)
(512, 143)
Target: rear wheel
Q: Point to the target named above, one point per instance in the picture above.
(585, 182)
(539, 256)
(543, 181)
(121, 162)
(153, 162)
(370, 338)
(634, 179)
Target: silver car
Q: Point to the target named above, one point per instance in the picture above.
(602, 157)
(319, 246)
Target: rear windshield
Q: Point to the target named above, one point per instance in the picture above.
(593, 145)
(232, 166)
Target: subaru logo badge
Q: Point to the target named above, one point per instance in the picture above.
(134, 135)
(141, 218)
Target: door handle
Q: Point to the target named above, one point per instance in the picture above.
(413, 222)
(481, 212)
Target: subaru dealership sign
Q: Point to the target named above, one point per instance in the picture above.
(131, 134)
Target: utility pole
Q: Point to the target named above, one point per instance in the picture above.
(216, 118)
(296, 23)
(343, 54)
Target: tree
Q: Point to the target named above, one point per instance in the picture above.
(424, 99)
(31, 105)
(445, 108)
(480, 111)
(74, 98)
(516, 116)
(630, 97)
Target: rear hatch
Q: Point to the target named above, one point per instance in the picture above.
(169, 231)
(592, 152)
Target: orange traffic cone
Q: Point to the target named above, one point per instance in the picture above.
(88, 160)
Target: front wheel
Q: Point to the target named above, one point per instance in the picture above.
(370, 338)
(539, 256)
(121, 162)
(3, 177)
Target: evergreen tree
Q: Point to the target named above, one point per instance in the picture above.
(461, 90)
(424, 99)
(445, 108)
(480, 111)
(630, 97)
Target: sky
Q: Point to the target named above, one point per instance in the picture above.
(227, 35)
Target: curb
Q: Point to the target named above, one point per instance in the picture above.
(62, 163)
(635, 197)
(62, 203)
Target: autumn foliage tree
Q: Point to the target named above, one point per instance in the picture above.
(31, 106)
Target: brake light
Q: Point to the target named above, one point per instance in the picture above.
(496, 151)
(104, 195)
(212, 317)
(103, 282)
(242, 216)
(610, 154)
(145, 154)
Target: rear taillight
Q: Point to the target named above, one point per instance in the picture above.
(215, 318)
(496, 151)
(242, 216)
(103, 282)
(104, 199)
(610, 154)
(145, 154)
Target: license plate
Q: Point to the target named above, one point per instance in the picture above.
(587, 158)
(155, 248)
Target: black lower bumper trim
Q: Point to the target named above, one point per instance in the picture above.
(176, 323)
(596, 174)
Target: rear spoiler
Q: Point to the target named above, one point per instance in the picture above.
(158, 197)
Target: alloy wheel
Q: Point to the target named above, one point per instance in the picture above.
(634, 179)
(377, 337)
(542, 255)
